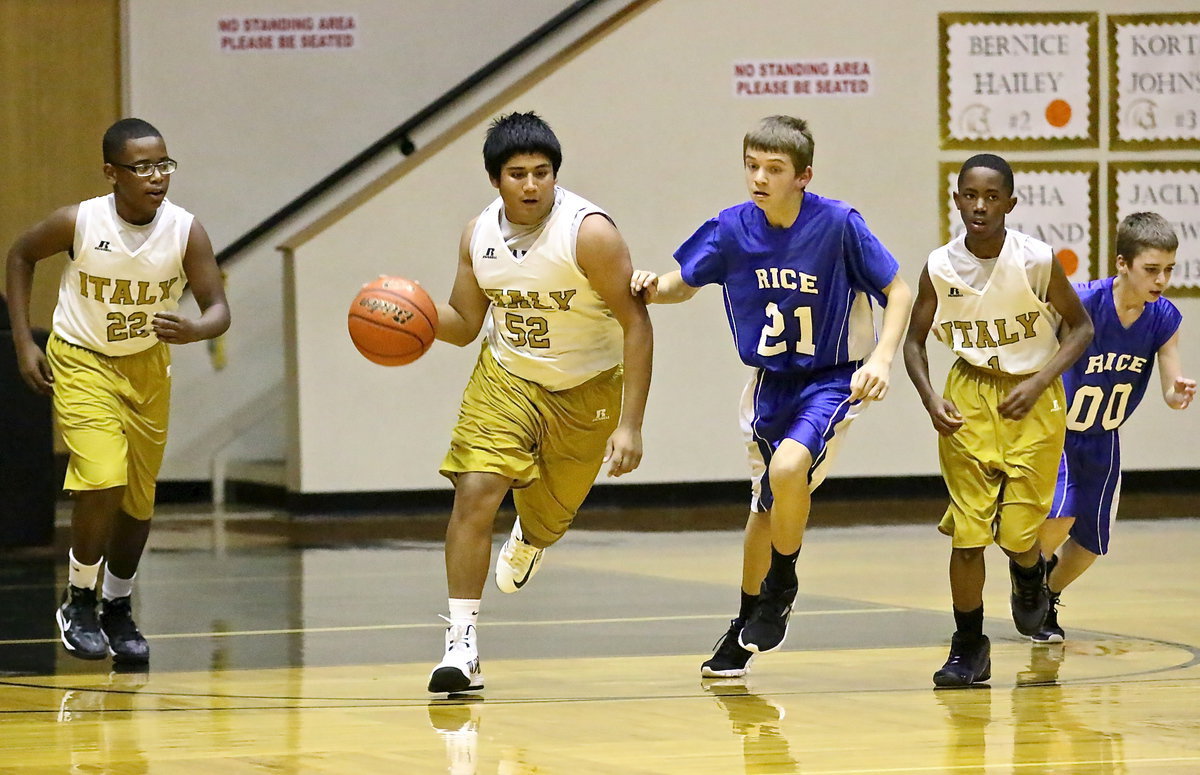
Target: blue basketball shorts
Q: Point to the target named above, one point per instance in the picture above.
(813, 409)
(1089, 487)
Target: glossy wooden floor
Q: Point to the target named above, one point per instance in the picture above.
(304, 647)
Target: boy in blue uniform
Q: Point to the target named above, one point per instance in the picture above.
(799, 273)
(1133, 324)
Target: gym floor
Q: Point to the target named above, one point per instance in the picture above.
(303, 644)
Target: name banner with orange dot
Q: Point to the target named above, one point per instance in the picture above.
(1018, 80)
(1154, 84)
(1057, 202)
(1171, 189)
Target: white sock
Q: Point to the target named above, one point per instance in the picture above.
(82, 576)
(463, 611)
(115, 586)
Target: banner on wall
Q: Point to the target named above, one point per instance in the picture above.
(1154, 81)
(1171, 189)
(841, 77)
(1018, 80)
(1057, 202)
(303, 32)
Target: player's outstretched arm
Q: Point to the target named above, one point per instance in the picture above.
(660, 289)
(1078, 327)
(943, 413)
(55, 234)
(603, 256)
(204, 279)
(871, 381)
(460, 319)
(1178, 390)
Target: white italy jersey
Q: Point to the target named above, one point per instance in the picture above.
(1005, 325)
(109, 293)
(545, 324)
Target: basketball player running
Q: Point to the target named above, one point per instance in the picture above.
(994, 296)
(107, 366)
(1133, 323)
(546, 274)
(798, 272)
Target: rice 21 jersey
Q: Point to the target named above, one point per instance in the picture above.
(798, 299)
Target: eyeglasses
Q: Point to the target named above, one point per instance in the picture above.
(146, 169)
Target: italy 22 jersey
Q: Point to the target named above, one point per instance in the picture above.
(798, 299)
(1108, 381)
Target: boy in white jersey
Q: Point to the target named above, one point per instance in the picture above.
(995, 297)
(107, 366)
(561, 382)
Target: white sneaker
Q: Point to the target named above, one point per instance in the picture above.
(459, 669)
(517, 561)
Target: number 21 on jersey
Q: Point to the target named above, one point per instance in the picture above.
(774, 340)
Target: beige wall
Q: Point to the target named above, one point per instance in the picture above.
(652, 133)
(60, 81)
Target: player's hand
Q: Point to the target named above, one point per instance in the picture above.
(644, 283)
(1182, 393)
(624, 451)
(35, 369)
(870, 382)
(173, 328)
(945, 415)
(1021, 399)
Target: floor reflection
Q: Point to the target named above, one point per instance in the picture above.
(757, 721)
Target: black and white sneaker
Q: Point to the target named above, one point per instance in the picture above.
(768, 625)
(459, 669)
(78, 627)
(1030, 599)
(729, 659)
(1051, 632)
(970, 662)
(125, 641)
(517, 561)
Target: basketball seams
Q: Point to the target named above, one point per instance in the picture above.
(388, 306)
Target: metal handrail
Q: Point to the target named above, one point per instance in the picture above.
(400, 136)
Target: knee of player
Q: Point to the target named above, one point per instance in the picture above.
(969, 553)
(791, 461)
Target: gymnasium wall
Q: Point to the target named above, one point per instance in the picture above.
(60, 81)
(254, 125)
(652, 132)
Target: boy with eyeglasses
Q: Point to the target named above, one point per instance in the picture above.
(107, 367)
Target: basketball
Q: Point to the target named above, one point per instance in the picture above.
(392, 321)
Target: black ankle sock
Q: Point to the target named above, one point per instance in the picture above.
(748, 604)
(782, 574)
(969, 622)
(1038, 571)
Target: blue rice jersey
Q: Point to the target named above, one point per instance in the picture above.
(798, 299)
(1109, 380)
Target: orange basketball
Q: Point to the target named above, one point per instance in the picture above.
(392, 321)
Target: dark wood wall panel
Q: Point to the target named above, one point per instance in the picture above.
(60, 88)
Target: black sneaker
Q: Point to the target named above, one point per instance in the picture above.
(1030, 599)
(77, 625)
(125, 641)
(970, 662)
(729, 659)
(768, 625)
(1050, 631)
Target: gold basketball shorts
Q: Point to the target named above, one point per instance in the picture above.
(1000, 473)
(551, 444)
(113, 412)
